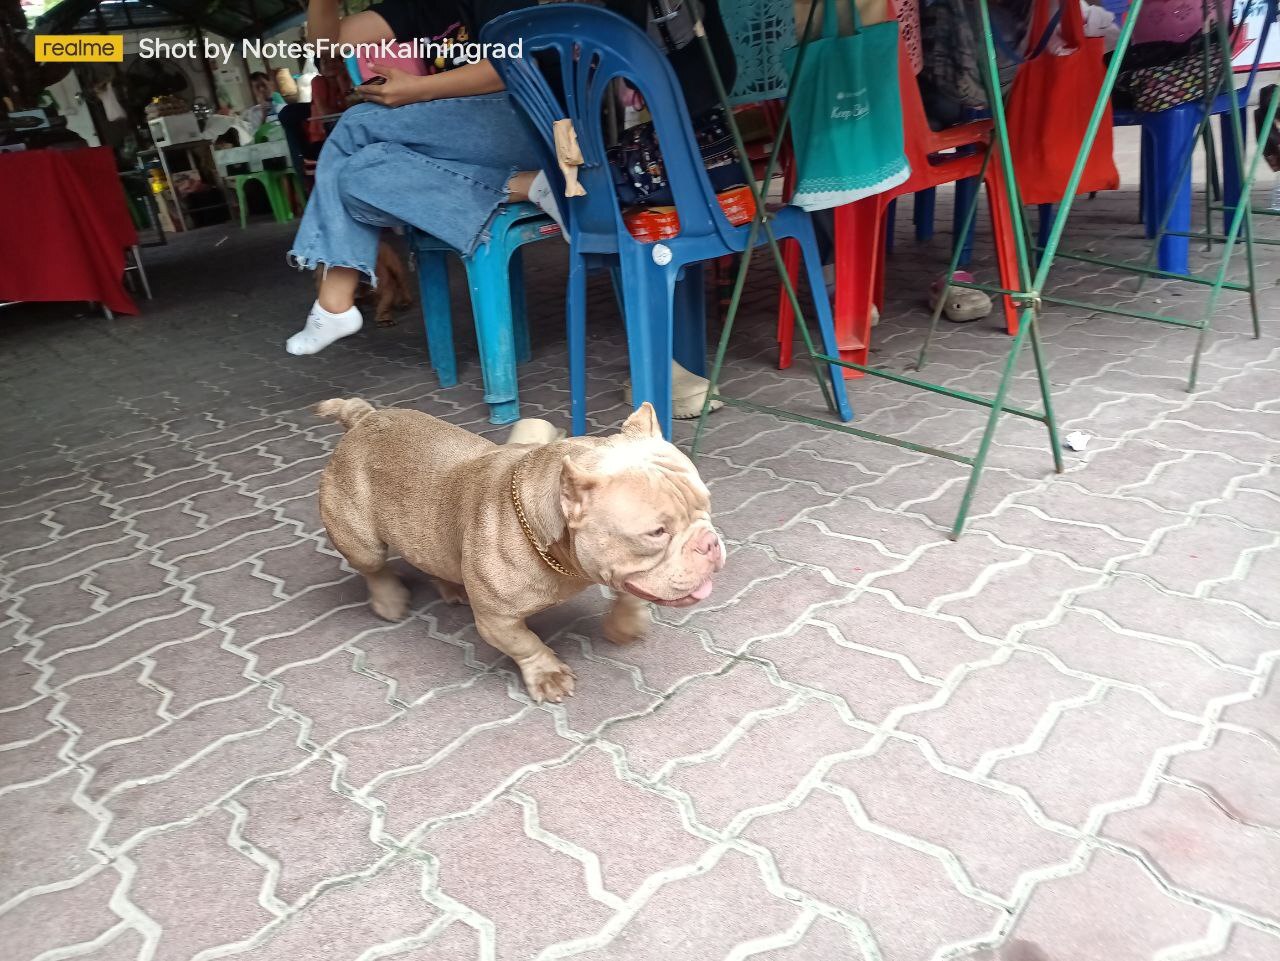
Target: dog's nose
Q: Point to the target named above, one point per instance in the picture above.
(708, 542)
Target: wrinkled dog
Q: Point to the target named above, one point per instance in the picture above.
(513, 530)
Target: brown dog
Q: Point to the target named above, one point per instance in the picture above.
(393, 291)
(517, 529)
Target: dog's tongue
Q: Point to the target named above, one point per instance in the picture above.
(702, 591)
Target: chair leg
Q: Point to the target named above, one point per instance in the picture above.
(691, 320)
(650, 296)
(859, 261)
(280, 207)
(240, 202)
(1002, 229)
(786, 316)
(142, 271)
(965, 189)
(1173, 133)
(826, 326)
(1230, 170)
(437, 316)
(890, 226)
(923, 212)
(1146, 183)
(495, 335)
(1044, 225)
(576, 318)
(519, 312)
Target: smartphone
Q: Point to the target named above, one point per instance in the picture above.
(362, 71)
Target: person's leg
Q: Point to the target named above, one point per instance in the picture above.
(449, 192)
(383, 167)
(329, 239)
(533, 185)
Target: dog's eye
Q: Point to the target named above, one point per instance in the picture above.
(658, 532)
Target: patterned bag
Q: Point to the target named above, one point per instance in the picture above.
(638, 172)
(1179, 81)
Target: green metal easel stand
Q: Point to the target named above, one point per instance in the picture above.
(1028, 297)
(1240, 228)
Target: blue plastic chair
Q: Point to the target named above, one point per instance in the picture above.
(496, 278)
(1167, 137)
(591, 47)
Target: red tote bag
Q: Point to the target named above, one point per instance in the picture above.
(1048, 112)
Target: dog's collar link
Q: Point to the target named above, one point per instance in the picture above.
(547, 559)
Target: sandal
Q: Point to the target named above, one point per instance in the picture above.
(688, 391)
(963, 304)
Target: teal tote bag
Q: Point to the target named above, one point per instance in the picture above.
(846, 113)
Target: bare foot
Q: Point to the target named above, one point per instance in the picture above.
(451, 593)
(547, 677)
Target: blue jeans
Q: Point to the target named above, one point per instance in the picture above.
(441, 166)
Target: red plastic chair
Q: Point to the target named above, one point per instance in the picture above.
(860, 226)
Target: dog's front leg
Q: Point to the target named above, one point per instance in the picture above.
(545, 675)
(628, 620)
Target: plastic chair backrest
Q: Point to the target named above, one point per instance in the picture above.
(593, 47)
(760, 30)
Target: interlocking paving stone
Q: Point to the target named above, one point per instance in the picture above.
(1227, 632)
(480, 858)
(703, 915)
(906, 898)
(1112, 909)
(990, 832)
(347, 920)
(63, 916)
(1178, 674)
(1204, 850)
(280, 819)
(1249, 944)
(1093, 754)
(1054, 740)
(198, 888)
(1214, 768)
(994, 707)
(765, 764)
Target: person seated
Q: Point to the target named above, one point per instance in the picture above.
(441, 152)
(438, 152)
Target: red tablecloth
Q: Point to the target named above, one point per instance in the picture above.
(65, 227)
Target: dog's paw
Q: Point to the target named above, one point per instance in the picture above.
(389, 600)
(626, 622)
(451, 593)
(548, 678)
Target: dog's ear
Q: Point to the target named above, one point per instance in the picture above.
(576, 485)
(643, 423)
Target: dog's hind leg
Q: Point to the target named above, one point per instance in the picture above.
(450, 592)
(364, 551)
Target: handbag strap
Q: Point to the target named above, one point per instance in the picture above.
(1046, 35)
(1072, 23)
(831, 21)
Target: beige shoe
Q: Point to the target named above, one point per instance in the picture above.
(688, 392)
(535, 432)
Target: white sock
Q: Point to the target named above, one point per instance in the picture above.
(541, 194)
(323, 328)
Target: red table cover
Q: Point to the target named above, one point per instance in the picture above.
(64, 227)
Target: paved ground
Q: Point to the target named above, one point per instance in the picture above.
(1056, 740)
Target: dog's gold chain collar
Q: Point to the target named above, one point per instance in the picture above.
(547, 559)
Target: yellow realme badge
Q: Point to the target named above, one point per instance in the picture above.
(84, 48)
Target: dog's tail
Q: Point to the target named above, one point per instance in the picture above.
(347, 411)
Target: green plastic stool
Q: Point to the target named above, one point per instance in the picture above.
(288, 186)
(272, 182)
